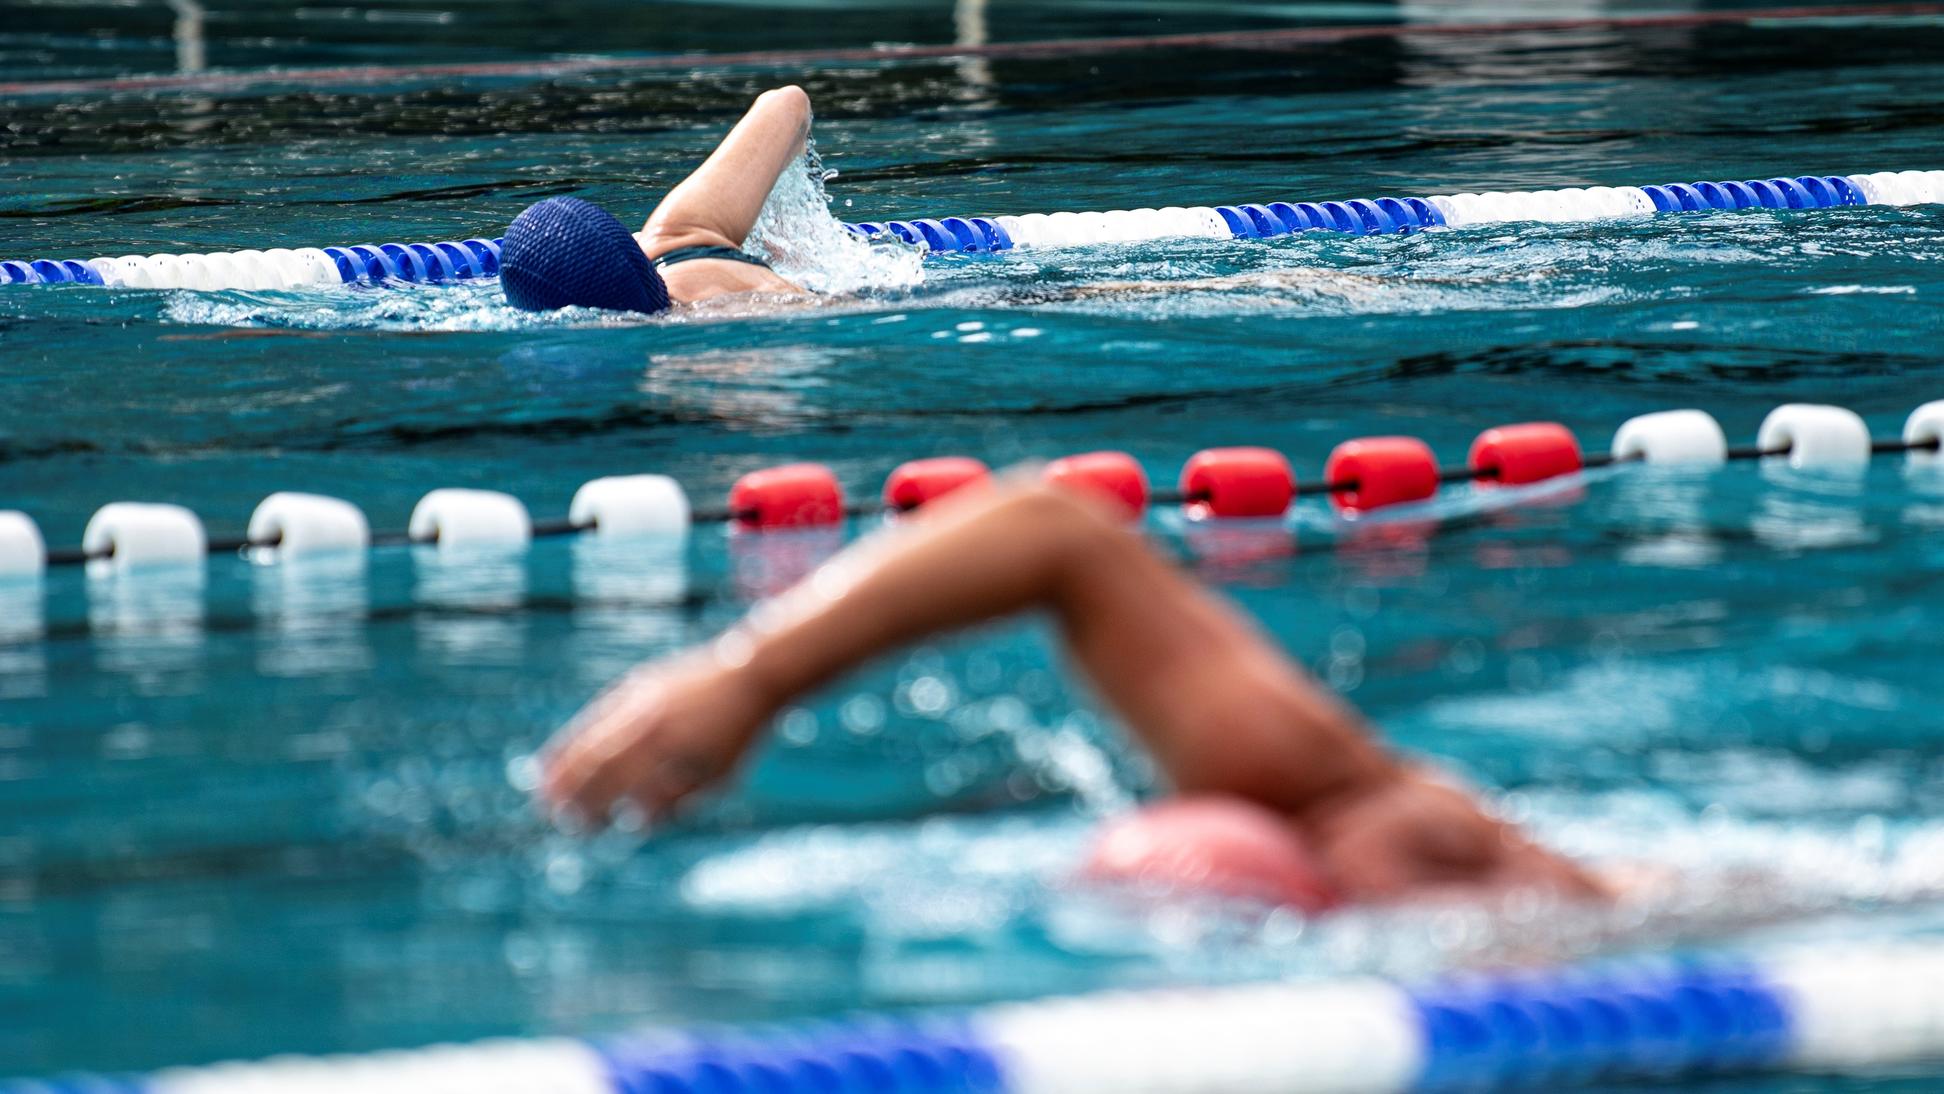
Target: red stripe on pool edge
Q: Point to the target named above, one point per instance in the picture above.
(1065, 47)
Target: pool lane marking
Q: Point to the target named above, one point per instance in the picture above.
(1044, 48)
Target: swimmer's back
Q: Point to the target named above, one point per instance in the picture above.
(698, 266)
(700, 271)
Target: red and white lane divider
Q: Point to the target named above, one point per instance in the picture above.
(1360, 476)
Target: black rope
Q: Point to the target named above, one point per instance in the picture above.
(1881, 448)
(1465, 474)
(550, 529)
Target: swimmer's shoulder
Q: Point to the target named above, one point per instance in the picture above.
(705, 278)
(698, 267)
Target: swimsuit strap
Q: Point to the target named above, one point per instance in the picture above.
(689, 254)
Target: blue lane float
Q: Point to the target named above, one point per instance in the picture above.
(279, 268)
(476, 258)
(1390, 215)
(1826, 1008)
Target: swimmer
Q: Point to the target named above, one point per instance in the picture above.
(1283, 795)
(565, 252)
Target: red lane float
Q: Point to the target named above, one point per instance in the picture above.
(797, 495)
(1380, 471)
(1513, 455)
(1237, 482)
(1113, 475)
(920, 481)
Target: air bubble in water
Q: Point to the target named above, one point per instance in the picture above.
(798, 727)
(863, 714)
(523, 773)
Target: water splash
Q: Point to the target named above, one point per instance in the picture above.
(801, 239)
(457, 306)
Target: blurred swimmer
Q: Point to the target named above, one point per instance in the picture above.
(1283, 794)
(565, 252)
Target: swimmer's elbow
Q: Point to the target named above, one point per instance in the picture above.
(789, 93)
(790, 99)
(1081, 524)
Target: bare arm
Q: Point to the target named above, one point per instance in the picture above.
(1220, 707)
(717, 205)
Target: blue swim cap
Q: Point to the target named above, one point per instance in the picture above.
(565, 252)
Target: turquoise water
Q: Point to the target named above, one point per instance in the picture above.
(274, 813)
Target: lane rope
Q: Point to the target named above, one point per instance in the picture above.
(1832, 1007)
(1360, 476)
(1292, 37)
(469, 259)
(1390, 215)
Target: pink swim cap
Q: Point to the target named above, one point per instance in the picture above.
(1220, 845)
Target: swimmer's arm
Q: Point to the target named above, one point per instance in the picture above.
(1218, 705)
(718, 204)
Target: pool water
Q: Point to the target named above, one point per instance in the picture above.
(276, 810)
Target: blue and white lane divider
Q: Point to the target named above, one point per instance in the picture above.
(1374, 216)
(1828, 1008)
(280, 268)
(473, 258)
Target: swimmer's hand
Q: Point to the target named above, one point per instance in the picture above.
(657, 736)
(1413, 835)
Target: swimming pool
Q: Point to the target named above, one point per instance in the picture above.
(273, 813)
